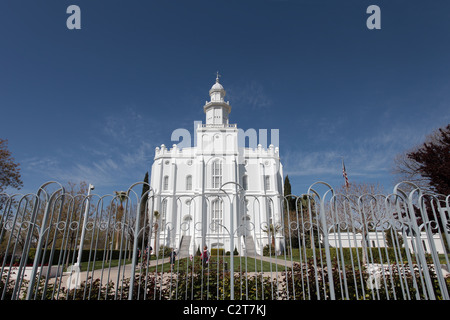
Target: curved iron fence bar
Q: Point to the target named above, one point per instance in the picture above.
(415, 222)
(39, 245)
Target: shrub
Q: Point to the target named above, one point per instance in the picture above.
(7, 287)
(268, 251)
(145, 287)
(61, 256)
(197, 283)
(308, 281)
(164, 251)
(217, 252)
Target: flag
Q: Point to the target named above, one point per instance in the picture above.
(344, 174)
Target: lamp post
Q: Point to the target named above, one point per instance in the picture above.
(83, 229)
(74, 279)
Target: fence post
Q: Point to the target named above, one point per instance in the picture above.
(37, 257)
(135, 247)
(323, 222)
(26, 246)
(83, 228)
(327, 248)
(232, 254)
(417, 236)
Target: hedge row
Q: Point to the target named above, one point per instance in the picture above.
(375, 255)
(98, 255)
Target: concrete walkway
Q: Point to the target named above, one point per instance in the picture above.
(120, 273)
(115, 274)
(282, 262)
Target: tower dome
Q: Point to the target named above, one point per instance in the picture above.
(217, 110)
(217, 87)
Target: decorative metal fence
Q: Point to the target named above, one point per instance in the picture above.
(58, 246)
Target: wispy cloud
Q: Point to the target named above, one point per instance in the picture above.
(120, 152)
(303, 163)
(37, 163)
(251, 94)
(366, 158)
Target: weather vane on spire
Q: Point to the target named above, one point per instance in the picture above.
(217, 76)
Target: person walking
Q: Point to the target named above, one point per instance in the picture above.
(173, 256)
(205, 256)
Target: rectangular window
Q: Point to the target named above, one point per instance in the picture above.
(166, 183)
(217, 174)
(217, 182)
(163, 212)
(267, 182)
(216, 216)
(189, 183)
(270, 212)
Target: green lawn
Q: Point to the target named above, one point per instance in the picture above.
(241, 264)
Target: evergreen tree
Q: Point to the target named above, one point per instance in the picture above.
(287, 186)
(146, 185)
(288, 199)
(143, 221)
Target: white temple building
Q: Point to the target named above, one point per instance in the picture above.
(216, 189)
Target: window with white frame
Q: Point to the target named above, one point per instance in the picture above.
(216, 215)
(216, 174)
(267, 182)
(270, 212)
(163, 212)
(166, 183)
(189, 182)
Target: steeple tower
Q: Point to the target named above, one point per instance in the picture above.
(217, 110)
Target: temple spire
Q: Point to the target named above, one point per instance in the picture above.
(217, 77)
(217, 110)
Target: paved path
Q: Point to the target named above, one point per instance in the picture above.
(105, 275)
(118, 274)
(281, 262)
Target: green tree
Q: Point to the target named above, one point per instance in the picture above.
(271, 231)
(289, 200)
(433, 161)
(9, 170)
(290, 214)
(143, 220)
(121, 196)
(156, 216)
(427, 164)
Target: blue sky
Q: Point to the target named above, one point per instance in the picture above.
(92, 104)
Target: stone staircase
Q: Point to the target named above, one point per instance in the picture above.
(250, 248)
(183, 251)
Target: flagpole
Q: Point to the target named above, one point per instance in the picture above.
(344, 174)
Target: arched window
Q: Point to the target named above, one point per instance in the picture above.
(189, 182)
(216, 174)
(216, 215)
(166, 183)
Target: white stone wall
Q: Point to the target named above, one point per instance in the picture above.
(177, 164)
(376, 239)
(216, 140)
